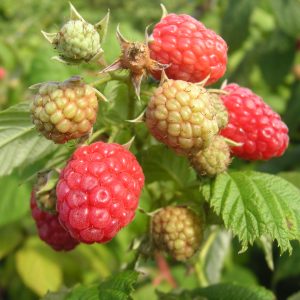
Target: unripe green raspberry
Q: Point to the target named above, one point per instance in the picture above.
(212, 160)
(180, 114)
(222, 113)
(77, 40)
(62, 111)
(177, 231)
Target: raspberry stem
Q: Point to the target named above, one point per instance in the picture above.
(131, 102)
(96, 134)
(108, 77)
(165, 273)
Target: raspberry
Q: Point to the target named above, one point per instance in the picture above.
(192, 50)
(212, 160)
(78, 41)
(98, 192)
(222, 113)
(254, 124)
(177, 230)
(49, 228)
(64, 111)
(180, 115)
(2, 73)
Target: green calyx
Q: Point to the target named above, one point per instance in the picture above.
(45, 191)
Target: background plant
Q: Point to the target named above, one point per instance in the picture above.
(262, 56)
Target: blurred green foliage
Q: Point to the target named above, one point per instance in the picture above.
(263, 55)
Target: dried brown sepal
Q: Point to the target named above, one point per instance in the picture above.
(135, 57)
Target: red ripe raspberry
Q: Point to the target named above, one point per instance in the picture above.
(98, 191)
(254, 124)
(2, 73)
(192, 50)
(50, 230)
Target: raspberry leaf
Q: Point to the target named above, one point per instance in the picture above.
(19, 143)
(118, 287)
(13, 204)
(253, 204)
(212, 256)
(288, 266)
(237, 15)
(160, 163)
(278, 47)
(287, 14)
(295, 296)
(37, 258)
(293, 177)
(224, 291)
(12, 236)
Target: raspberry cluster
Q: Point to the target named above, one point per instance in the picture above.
(98, 190)
(97, 195)
(187, 118)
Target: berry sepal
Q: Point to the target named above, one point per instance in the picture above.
(135, 57)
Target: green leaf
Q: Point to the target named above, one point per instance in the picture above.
(12, 237)
(266, 243)
(36, 268)
(237, 15)
(288, 266)
(224, 291)
(116, 110)
(20, 143)
(295, 296)
(43, 68)
(238, 274)
(60, 295)
(280, 48)
(211, 257)
(117, 287)
(288, 161)
(293, 177)
(293, 111)
(241, 74)
(254, 204)
(84, 293)
(287, 14)
(14, 200)
(161, 164)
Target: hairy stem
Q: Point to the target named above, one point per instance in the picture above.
(131, 101)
